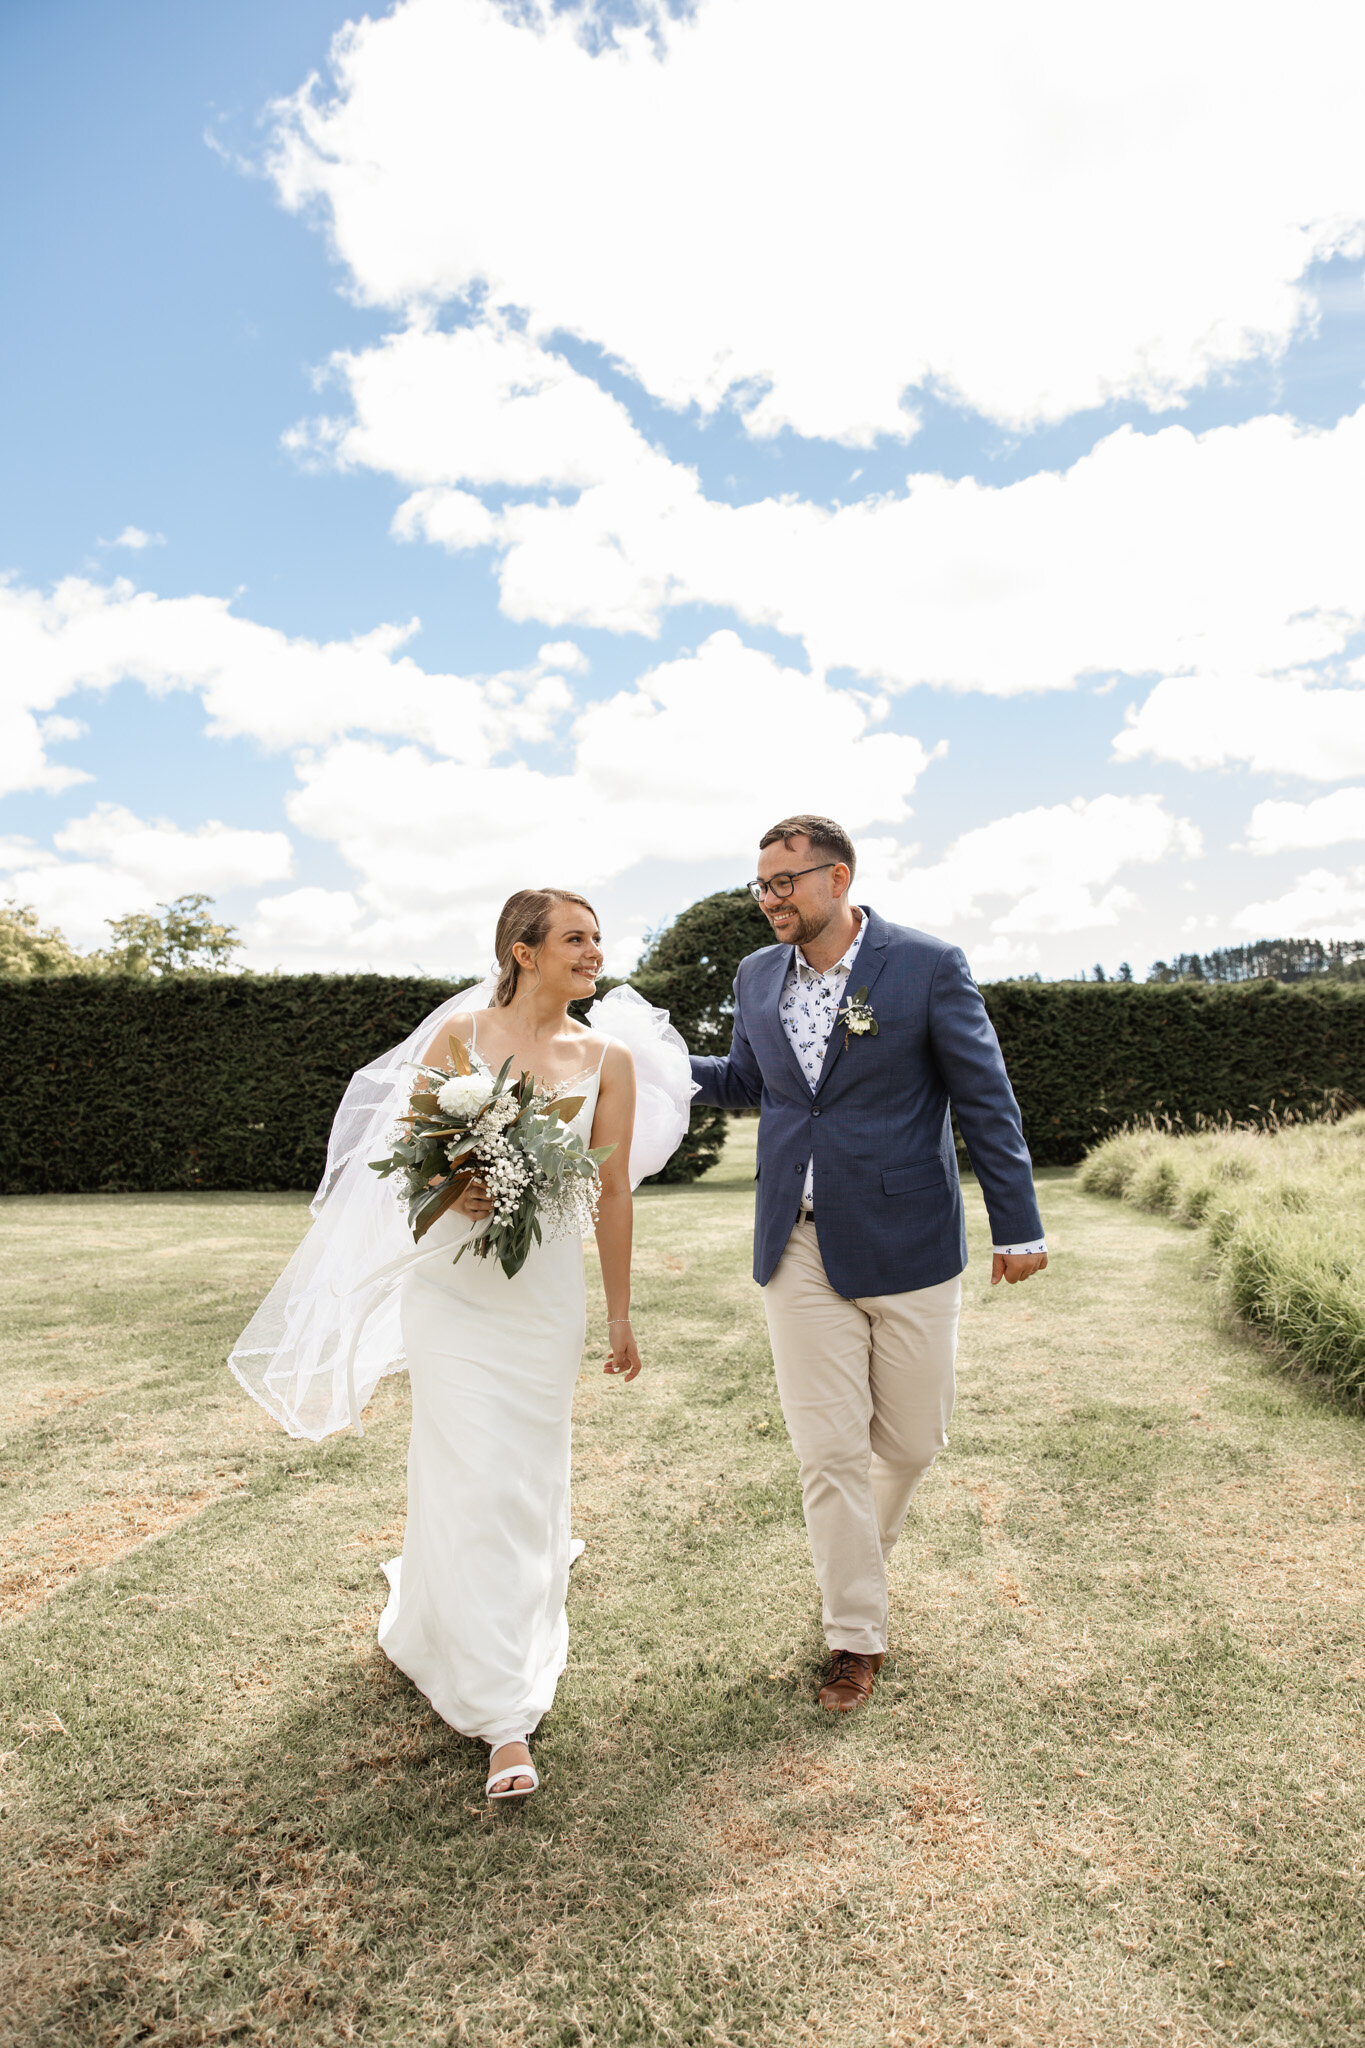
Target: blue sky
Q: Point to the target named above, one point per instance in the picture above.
(602, 355)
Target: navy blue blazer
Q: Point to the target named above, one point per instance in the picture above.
(888, 1203)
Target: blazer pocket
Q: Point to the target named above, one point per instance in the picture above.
(904, 1180)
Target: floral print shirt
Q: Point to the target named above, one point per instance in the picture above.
(809, 1005)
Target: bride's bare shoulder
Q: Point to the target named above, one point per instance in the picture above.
(616, 1058)
(459, 1026)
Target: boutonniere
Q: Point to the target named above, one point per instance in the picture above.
(856, 1017)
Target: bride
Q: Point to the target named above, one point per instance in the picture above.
(476, 1610)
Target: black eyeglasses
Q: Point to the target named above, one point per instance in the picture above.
(781, 886)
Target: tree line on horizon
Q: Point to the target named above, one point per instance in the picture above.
(184, 937)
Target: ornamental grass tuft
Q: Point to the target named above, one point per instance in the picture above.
(1284, 1210)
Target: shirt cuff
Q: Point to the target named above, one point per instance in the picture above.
(1028, 1251)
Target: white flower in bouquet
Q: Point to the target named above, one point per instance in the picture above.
(464, 1095)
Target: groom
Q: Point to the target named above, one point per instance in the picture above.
(855, 1036)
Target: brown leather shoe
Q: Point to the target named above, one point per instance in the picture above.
(849, 1681)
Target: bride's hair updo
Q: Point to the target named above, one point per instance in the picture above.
(524, 921)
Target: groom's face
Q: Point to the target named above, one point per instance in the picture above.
(802, 916)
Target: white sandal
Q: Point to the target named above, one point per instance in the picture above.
(521, 1770)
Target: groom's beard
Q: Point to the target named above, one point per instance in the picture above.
(802, 928)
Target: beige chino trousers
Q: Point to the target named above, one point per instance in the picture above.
(866, 1387)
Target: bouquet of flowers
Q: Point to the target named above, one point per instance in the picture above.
(514, 1138)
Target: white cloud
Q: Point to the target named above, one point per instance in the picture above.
(453, 519)
(168, 861)
(1241, 550)
(1002, 957)
(811, 207)
(563, 654)
(1065, 907)
(18, 852)
(624, 950)
(77, 896)
(684, 766)
(308, 927)
(1053, 866)
(55, 729)
(134, 537)
(122, 864)
(1276, 725)
(688, 765)
(1221, 560)
(255, 682)
(1321, 905)
(24, 741)
(1279, 827)
(508, 412)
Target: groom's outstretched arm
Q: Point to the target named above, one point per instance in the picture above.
(970, 1061)
(734, 1081)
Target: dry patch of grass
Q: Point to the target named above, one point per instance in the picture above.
(45, 1556)
(1111, 1789)
(926, 1892)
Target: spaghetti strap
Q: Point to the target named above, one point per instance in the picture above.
(593, 1072)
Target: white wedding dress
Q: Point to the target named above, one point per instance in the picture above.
(475, 1615)
(476, 1609)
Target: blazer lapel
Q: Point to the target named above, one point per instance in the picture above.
(769, 1001)
(866, 968)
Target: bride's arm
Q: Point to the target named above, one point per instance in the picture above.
(613, 1125)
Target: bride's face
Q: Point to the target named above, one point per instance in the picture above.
(570, 957)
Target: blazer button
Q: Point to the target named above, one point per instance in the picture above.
(816, 1110)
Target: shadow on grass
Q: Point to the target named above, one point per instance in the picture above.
(295, 1885)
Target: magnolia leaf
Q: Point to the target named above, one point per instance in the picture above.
(459, 1058)
(567, 1109)
(445, 1197)
(423, 1104)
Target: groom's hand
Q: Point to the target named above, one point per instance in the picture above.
(1015, 1266)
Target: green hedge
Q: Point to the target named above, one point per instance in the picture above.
(226, 1081)
(1086, 1058)
(194, 1081)
(205, 1081)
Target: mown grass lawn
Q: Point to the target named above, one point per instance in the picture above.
(1111, 1788)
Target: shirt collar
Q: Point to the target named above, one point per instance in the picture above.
(804, 970)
